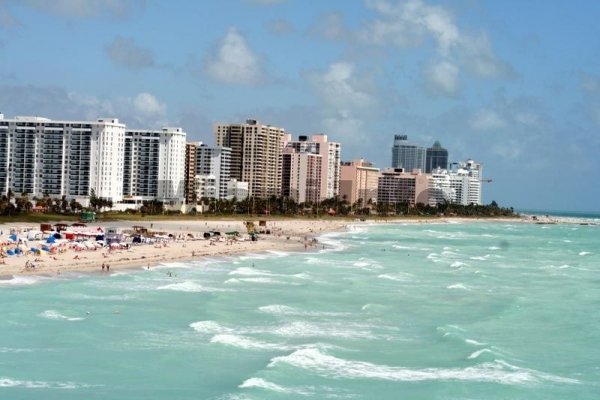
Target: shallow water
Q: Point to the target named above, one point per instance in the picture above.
(433, 311)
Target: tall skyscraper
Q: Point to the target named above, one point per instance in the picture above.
(406, 155)
(154, 165)
(39, 156)
(330, 160)
(436, 157)
(255, 155)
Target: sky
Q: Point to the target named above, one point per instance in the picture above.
(512, 84)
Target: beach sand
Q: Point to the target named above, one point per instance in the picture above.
(286, 235)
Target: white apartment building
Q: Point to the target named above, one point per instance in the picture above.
(237, 190)
(207, 186)
(460, 185)
(330, 160)
(154, 163)
(39, 156)
(255, 155)
(216, 162)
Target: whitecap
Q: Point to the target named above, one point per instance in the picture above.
(479, 352)
(248, 343)
(584, 253)
(474, 342)
(9, 383)
(498, 371)
(400, 277)
(190, 286)
(301, 329)
(209, 327)
(278, 309)
(457, 264)
(266, 385)
(55, 315)
(21, 280)
(480, 258)
(458, 286)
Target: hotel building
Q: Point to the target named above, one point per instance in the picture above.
(359, 180)
(330, 160)
(460, 185)
(255, 155)
(154, 166)
(396, 186)
(210, 169)
(39, 156)
(301, 175)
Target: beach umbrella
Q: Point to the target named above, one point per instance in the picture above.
(51, 239)
(13, 238)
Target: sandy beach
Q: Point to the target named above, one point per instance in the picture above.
(285, 235)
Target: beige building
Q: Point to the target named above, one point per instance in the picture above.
(359, 180)
(301, 175)
(396, 186)
(330, 160)
(255, 155)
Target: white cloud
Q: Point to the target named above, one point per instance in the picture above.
(234, 62)
(147, 104)
(478, 57)
(486, 120)
(143, 110)
(339, 88)
(409, 23)
(125, 52)
(442, 78)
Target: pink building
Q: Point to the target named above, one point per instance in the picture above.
(359, 180)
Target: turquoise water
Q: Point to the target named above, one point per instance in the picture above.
(431, 311)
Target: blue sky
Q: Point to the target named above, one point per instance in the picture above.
(513, 84)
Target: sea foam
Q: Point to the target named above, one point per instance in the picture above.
(497, 372)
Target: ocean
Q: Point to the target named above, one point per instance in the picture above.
(475, 310)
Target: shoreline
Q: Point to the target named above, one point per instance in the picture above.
(287, 235)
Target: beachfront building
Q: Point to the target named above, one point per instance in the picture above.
(330, 160)
(255, 155)
(301, 175)
(189, 186)
(396, 186)
(407, 156)
(39, 156)
(460, 185)
(212, 163)
(436, 157)
(237, 190)
(154, 166)
(359, 180)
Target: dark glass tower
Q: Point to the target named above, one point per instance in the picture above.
(436, 156)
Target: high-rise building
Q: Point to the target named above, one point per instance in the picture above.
(330, 160)
(407, 156)
(460, 185)
(359, 180)
(396, 186)
(436, 157)
(301, 175)
(190, 173)
(154, 166)
(255, 155)
(214, 161)
(39, 156)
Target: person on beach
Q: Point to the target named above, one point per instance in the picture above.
(107, 267)
(103, 267)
